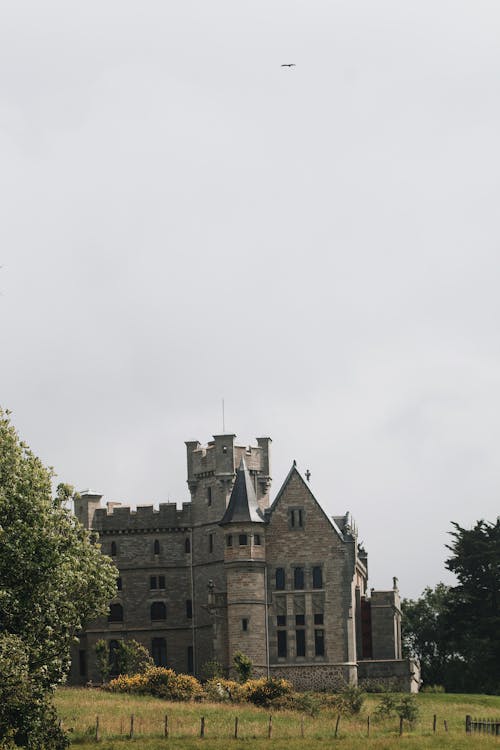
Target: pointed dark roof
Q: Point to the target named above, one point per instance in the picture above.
(242, 506)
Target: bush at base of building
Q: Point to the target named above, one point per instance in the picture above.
(220, 690)
(264, 692)
(160, 682)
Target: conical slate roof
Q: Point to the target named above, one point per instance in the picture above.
(242, 504)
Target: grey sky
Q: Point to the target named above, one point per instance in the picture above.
(181, 220)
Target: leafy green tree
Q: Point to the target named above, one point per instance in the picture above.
(425, 632)
(130, 657)
(53, 580)
(455, 630)
(243, 666)
(473, 619)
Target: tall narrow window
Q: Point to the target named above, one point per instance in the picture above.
(114, 549)
(158, 611)
(189, 609)
(159, 651)
(209, 496)
(153, 582)
(317, 577)
(319, 642)
(300, 642)
(229, 540)
(187, 544)
(156, 547)
(114, 648)
(210, 543)
(115, 613)
(296, 518)
(282, 649)
(119, 583)
(161, 582)
(280, 579)
(244, 624)
(256, 539)
(298, 578)
(190, 660)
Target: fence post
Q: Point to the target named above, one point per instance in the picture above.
(166, 725)
(131, 734)
(202, 727)
(445, 725)
(400, 726)
(270, 728)
(236, 728)
(368, 726)
(301, 726)
(337, 725)
(121, 726)
(434, 723)
(97, 734)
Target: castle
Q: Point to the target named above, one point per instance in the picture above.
(282, 582)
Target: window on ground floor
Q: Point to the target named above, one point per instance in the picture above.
(159, 651)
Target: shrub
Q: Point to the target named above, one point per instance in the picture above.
(348, 702)
(264, 691)
(221, 691)
(243, 666)
(408, 709)
(211, 669)
(404, 706)
(160, 682)
(306, 703)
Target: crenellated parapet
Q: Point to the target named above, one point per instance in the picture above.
(215, 465)
(123, 519)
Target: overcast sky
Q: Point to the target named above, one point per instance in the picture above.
(182, 220)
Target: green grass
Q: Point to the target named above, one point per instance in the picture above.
(79, 708)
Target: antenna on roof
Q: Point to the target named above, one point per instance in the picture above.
(223, 419)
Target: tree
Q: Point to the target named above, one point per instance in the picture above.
(130, 657)
(53, 579)
(243, 666)
(474, 613)
(455, 630)
(425, 632)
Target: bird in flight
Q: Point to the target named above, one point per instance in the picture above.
(288, 65)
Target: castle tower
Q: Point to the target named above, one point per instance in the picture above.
(245, 568)
(86, 503)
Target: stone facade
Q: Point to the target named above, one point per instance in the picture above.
(282, 582)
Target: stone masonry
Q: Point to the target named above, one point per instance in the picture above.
(282, 582)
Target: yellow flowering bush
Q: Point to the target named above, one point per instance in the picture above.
(264, 691)
(220, 690)
(158, 681)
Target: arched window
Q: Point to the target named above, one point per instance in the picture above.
(158, 611)
(187, 544)
(156, 547)
(115, 613)
(280, 579)
(159, 651)
(114, 549)
(114, 648)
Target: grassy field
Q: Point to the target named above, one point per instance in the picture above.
(79, 709)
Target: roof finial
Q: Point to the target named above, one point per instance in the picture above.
(294, 462)
(308, 475)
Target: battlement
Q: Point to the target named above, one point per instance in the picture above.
(124, 519)
(221, 457)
